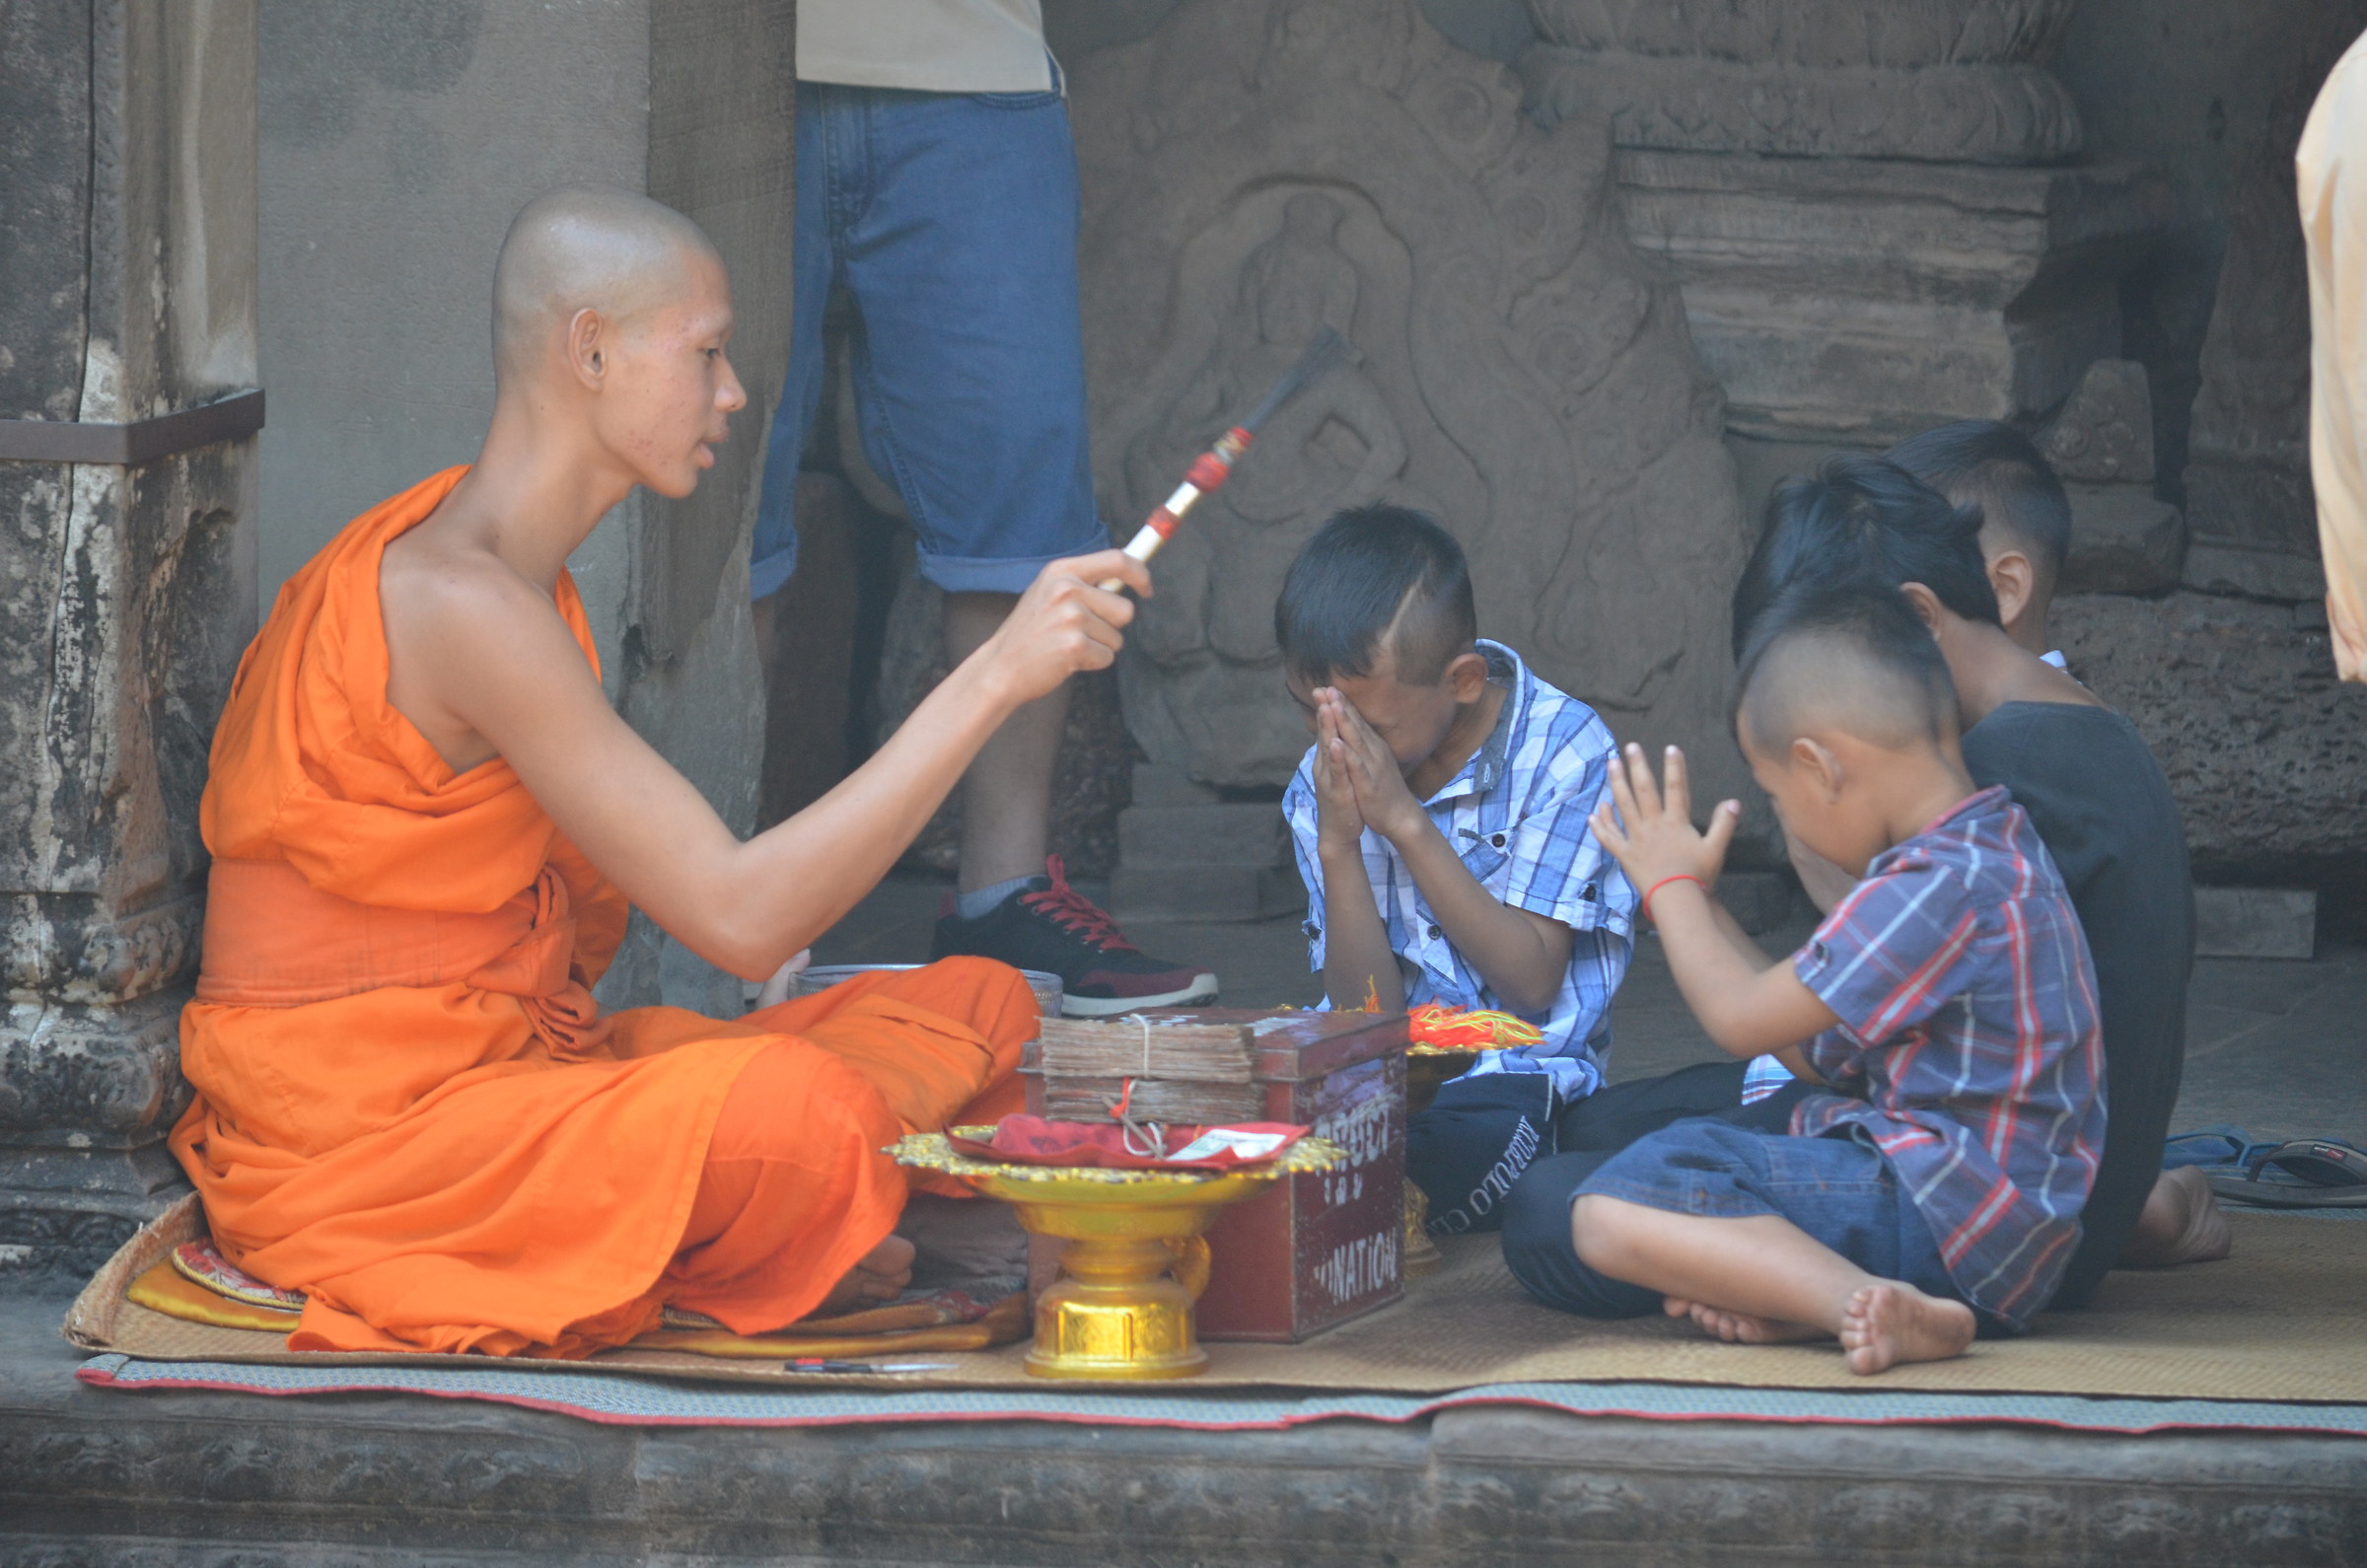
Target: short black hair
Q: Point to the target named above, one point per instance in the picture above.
(2000, 472)
(1368, 569)
(1865, 519)
(1855, 654)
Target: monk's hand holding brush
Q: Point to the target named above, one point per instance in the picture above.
(1065, 622)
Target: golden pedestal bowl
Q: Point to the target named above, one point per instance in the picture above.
(1137, 1255)
(1426, 1068)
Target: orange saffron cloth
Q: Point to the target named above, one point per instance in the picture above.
(408, 1104)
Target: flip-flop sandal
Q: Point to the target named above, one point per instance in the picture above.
(2223, 1146)
(2306, 1173)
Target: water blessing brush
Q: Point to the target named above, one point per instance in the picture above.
(1210, 469)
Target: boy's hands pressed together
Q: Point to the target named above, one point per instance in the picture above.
(1652, 835)
(1370, 770)
(1358, 780)
(1338, 821)
(1357, 962)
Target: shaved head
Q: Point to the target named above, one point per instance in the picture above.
(1853, 661)
(586, 246)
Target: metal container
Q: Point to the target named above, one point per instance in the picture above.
(822, 976)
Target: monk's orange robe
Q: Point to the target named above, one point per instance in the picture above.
(408, 1104)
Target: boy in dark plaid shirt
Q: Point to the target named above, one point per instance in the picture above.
(1948, 1004)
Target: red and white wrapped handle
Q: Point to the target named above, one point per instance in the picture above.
(1208, 474)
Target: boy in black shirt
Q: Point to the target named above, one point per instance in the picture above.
(2099, 800)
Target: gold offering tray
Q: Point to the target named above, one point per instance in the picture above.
(1137, 1255)
(934, 1151)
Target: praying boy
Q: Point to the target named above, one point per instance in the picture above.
(1440, 821)
(1947, 1005)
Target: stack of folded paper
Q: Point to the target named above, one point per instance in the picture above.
(1185, 1068)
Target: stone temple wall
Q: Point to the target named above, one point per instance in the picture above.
(2074, 215)
(398, 137)
(1255, 172)
(2230, 676)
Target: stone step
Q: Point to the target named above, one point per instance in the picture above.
(91, 1477)
(1204, 893)
(1223, 835)
(2255, 923)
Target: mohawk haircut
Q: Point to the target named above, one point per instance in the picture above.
(1851, 656)
(1865, 520)
(1371, 573)
(1999, 471)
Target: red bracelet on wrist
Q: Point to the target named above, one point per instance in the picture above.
(1682, 875)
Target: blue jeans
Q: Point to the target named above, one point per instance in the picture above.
(951, 218)
(1837, 1190)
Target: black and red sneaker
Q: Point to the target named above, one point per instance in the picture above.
(1050, 926)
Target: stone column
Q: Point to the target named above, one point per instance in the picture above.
(126, 586)
(1879, 213)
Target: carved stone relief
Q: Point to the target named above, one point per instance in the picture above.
(2125, 538)
(1254, 173)
(2104, 434)
(1949, 79)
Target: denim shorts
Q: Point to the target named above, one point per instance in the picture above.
(1837, 1190)
(951, 219)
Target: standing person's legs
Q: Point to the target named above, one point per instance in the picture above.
(969, 393)
(821, 113)
(1007, 794)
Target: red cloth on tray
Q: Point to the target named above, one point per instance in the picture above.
(1031, 1140)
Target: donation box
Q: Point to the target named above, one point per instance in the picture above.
(1314, 1251)
(1322, 1248)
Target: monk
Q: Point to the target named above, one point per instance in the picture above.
(427, 821)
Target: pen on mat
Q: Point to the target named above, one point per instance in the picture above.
(815, 1364)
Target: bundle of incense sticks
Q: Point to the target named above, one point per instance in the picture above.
(1176, 1048)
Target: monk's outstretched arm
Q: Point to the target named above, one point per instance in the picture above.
(488, 651)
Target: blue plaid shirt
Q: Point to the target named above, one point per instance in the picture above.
(1516, 814)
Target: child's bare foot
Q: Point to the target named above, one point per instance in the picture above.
(1741, 1328)
(881, 1274)
(1888, 1323)
(2182, 1223)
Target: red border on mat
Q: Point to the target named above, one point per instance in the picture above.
(99, 1379)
